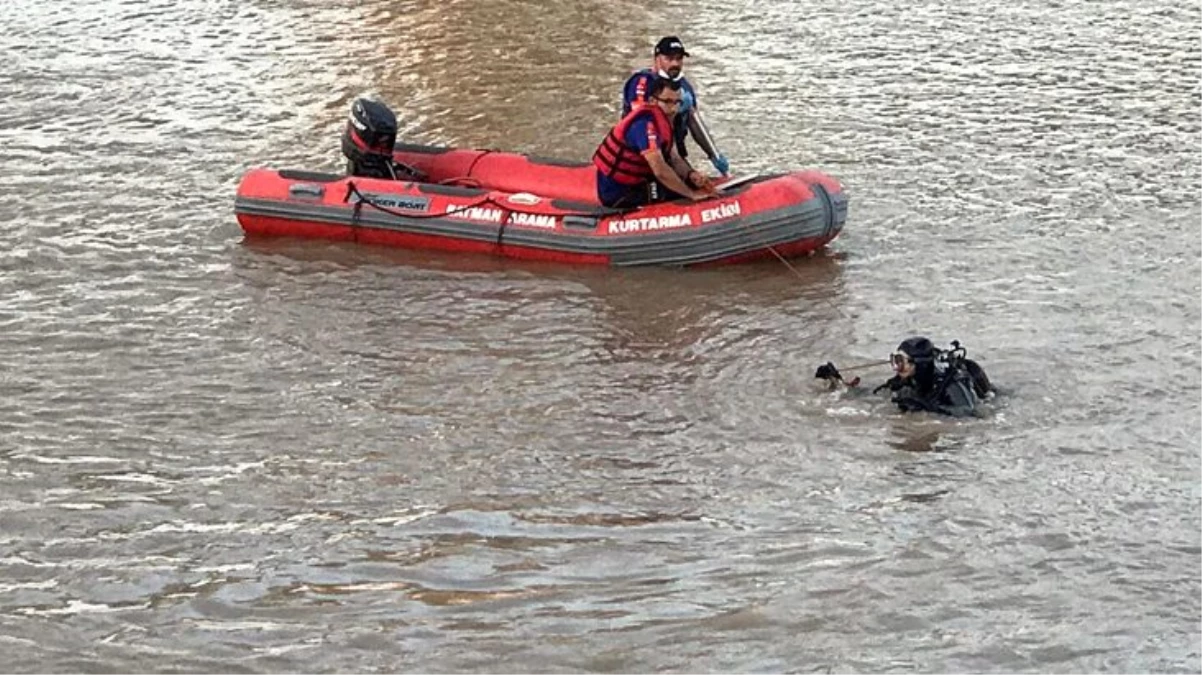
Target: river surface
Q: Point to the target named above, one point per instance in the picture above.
(222, 455)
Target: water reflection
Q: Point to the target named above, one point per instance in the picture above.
(509, 74)
(909, 435)
(659, 310)
(684, 319)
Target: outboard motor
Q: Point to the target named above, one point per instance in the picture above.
(369, 139)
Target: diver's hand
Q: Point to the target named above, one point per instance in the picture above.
(721, 164)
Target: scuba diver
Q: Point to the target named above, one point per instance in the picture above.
(927, 378)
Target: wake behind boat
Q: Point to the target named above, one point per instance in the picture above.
(519, 206)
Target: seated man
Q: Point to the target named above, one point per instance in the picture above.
(636, 163)
(669, 63)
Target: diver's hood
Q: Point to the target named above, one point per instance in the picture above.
(917, 348)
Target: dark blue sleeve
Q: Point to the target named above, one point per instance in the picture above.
(680, 127)
(689, 92)
(637, 88)
(641, 135)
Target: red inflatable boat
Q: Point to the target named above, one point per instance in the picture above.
(507, 204)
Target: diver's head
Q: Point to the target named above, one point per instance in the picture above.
(912, 356)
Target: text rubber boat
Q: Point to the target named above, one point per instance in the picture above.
(509, 204)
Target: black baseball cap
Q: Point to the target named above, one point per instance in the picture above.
(670, 45)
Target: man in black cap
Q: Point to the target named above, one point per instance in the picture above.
(669, 64)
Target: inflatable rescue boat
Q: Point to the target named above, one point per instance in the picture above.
(509, 204)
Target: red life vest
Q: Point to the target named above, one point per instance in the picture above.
(624, 164)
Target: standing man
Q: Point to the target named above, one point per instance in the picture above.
(637, 163)
(669, 63)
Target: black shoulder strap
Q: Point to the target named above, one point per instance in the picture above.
(892, 384)
(980, 381)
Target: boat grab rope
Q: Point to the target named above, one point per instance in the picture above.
(507, 210)
(352, 189)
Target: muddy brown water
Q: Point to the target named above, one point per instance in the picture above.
(269, 456)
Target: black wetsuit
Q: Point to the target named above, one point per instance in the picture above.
(947, 391)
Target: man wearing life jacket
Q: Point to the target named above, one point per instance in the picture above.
(636, 163)
(669, 63)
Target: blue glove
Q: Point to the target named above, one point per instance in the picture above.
(721, 164)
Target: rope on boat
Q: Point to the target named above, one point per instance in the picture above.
(506, 210)
(781, 258)
(472, 166)
(352, 189)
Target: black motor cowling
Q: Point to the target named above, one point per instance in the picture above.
(369, 139)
